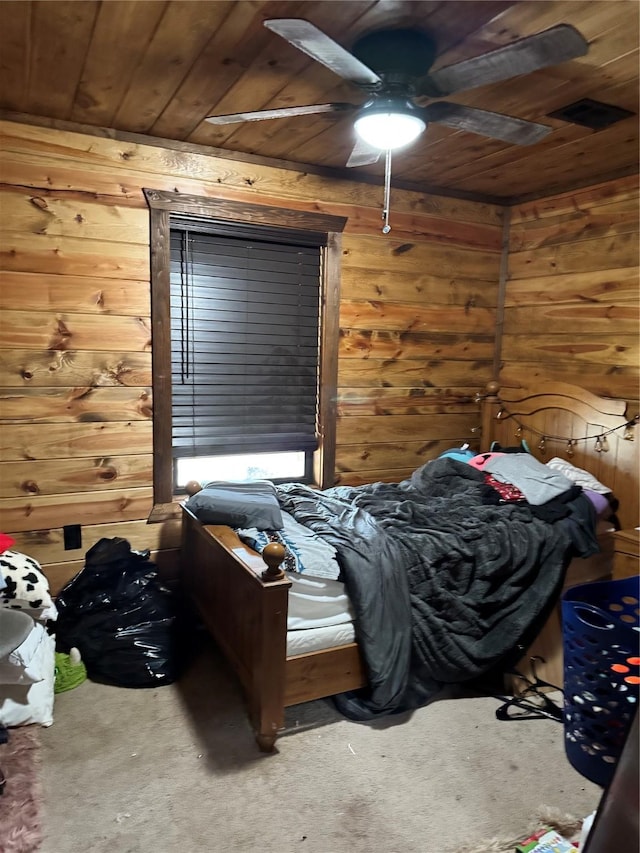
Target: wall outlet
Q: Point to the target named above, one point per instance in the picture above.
(72, 537)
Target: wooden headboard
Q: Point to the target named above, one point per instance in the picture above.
(604, 437)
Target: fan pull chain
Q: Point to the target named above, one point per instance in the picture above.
(387, 192)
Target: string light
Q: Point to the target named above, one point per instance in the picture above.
(601, 442)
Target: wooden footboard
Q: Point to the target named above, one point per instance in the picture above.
(246, 614)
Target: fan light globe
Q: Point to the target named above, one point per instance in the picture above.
(388, 130)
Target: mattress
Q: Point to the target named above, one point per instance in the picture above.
(315, 639)
(320, 615)
(314, 602)
(317, 603)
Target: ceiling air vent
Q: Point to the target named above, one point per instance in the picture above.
(591, 114)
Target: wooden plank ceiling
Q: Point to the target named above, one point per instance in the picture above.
(158, 68)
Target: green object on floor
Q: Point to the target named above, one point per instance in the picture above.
(69, 671)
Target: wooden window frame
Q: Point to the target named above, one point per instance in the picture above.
(161, 205)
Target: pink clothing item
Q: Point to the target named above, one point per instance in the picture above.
(481, 459)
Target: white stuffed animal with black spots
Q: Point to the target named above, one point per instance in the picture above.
(26, 587)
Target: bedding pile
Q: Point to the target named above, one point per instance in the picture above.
(445, 579)
(306, 552)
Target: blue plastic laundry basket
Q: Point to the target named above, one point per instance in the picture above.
(601, 635)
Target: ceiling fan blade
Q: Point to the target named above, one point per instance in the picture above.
(281, 112)
(550, 47)
(319, 46)
(494, 125)
(363, 154)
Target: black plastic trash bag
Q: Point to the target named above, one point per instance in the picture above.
(120, 617)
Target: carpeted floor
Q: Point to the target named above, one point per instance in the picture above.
(176, 769)
(20, 804)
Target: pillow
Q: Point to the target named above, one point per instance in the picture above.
(27, 588)
(600, 503)
(238, 505)
(578, 475)
(462, 454)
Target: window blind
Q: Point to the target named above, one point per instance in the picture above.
(244, 342)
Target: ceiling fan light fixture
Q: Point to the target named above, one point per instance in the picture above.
(389, 127)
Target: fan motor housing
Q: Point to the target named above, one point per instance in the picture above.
(402, 52)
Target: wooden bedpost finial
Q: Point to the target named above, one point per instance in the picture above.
(193, 487)
(273, 555)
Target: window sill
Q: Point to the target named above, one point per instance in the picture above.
(164, 512)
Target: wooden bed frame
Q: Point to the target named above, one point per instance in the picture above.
(244, 607)
(244, 604)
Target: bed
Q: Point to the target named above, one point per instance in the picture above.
(243, 597)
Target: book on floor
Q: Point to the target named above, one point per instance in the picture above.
(546, 841)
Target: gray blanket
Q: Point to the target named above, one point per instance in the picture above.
(444, 585)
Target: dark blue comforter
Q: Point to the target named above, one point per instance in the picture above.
(444, 584)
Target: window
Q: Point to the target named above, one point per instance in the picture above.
(245, 332)
(245, 315)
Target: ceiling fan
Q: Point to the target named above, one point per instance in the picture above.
(392, 66)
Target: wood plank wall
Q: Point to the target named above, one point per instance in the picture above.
(572, 305)
(418, 316)
(572, 296)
